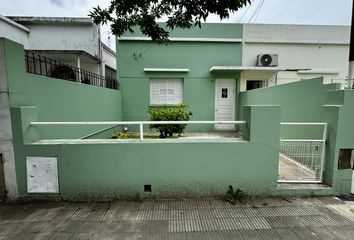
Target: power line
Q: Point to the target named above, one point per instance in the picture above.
(248, 7)
(259, 11)
(259, 6)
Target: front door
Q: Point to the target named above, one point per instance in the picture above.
(225, 103)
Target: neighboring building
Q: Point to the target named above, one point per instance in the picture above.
(74, 41)
(302, 51)
(208, 67)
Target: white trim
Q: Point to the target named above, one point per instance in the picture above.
(319, 71)
(184, 39)
(300, 181)
(5, 19)
(145, 141)
(133, 123)
(304, 123)
(166, 69)
(245, 68)
(332, 105)
(301, 140)
(185, 122)
(291, 41)
(140, 123)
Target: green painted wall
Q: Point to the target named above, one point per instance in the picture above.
(311, 101)
(198, 57)
(300, 102)
(58, 100)
(339, 113)
(207, 30)
(88, 171)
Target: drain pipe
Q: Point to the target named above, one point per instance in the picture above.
(351, 53)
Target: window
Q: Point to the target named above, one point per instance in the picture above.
(166, 91)
(346, 159)
(110, 72)
(254, 84)
(224, 92)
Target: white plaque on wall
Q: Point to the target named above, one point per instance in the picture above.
(42, 175)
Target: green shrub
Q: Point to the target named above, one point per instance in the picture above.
(176, 112)
(120, 135)
(233, 197)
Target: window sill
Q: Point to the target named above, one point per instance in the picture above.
(162, 105)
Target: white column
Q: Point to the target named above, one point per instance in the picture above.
(141, 128)
(350, 75)
(79, 66)
(351, 51)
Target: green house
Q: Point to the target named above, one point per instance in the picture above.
(179, 72)
(296, 138)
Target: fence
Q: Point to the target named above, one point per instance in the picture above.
(302, 160)
(42, 65)
(138, 123)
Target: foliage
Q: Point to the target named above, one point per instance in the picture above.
(237, 196)
(123, 15)
(120, 135)
(176, 112)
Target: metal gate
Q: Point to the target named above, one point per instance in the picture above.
(302, 160)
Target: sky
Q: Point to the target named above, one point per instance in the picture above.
(318, 12)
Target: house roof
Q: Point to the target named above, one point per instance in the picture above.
(13, 23)
(52, 20)
(273, 69)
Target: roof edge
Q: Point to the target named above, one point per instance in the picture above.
(13, 23)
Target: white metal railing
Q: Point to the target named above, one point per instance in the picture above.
(304, 157)
(138, 123)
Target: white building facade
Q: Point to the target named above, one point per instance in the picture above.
(302, 51)
(74, 41)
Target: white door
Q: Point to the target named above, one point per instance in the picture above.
(225, 103)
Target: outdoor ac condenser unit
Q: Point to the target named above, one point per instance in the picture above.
(267, 60)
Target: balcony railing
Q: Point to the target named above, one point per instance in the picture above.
(45, 66)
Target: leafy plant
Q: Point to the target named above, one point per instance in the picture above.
(237, 196)
(176, 112)
(120, 135)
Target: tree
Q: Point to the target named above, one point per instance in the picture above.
(124, 15)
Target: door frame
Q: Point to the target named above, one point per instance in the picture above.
(217, 82)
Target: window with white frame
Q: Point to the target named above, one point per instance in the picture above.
(166, 91)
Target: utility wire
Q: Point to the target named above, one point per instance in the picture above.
(248, 7)
(259, 6)
(259, 11)
(255, 10)
(255, 13)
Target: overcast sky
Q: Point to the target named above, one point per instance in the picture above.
(319, 12)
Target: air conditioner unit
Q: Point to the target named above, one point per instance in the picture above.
(267, 60)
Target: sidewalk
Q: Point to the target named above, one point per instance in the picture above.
(264, 218)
